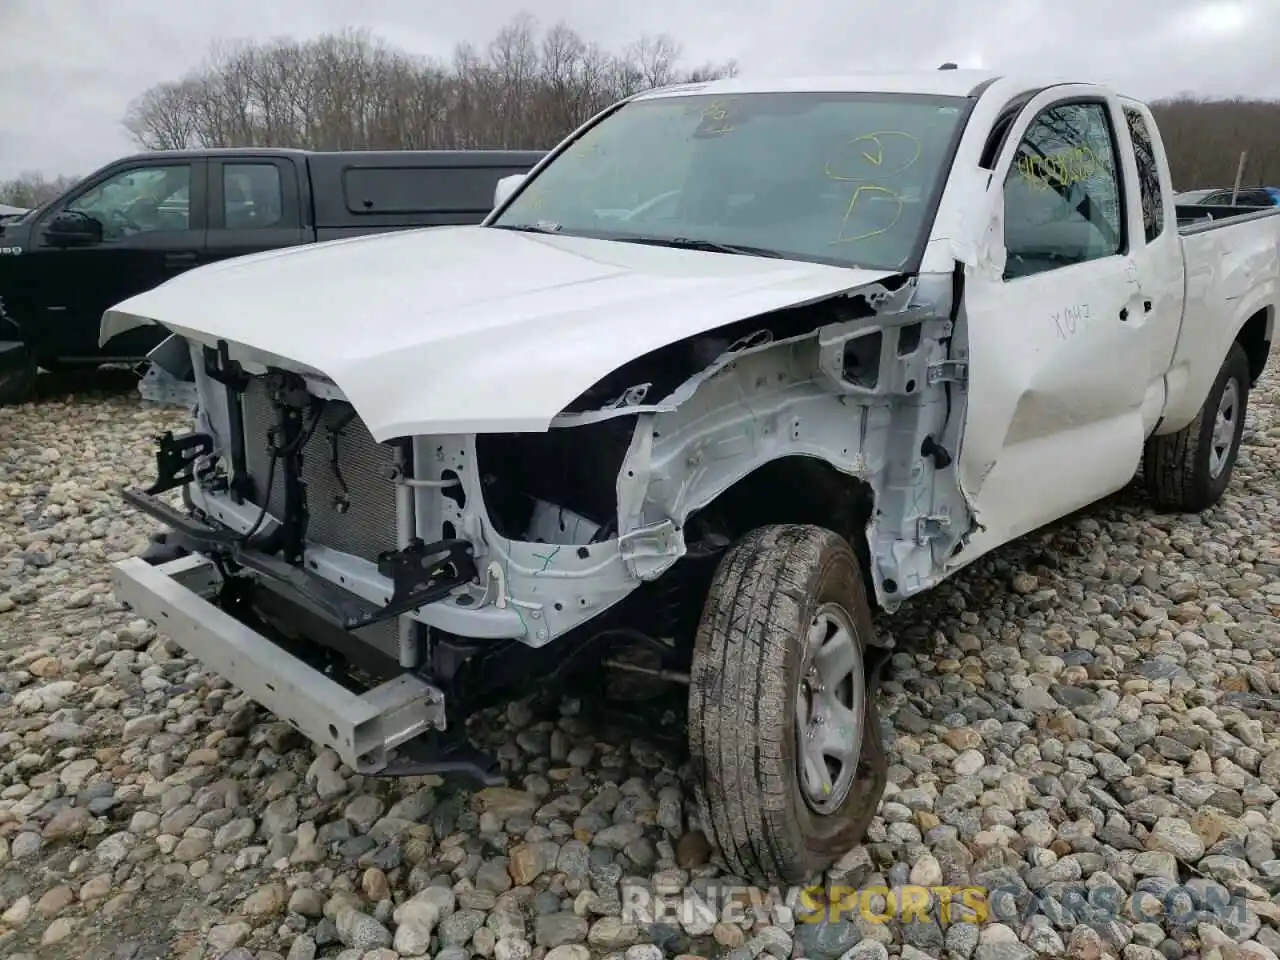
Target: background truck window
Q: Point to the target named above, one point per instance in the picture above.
(1062, 197)
(136, 201)
(252, 197)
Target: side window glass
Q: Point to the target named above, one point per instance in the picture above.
(1062, 201)
(252, 197)
(1148, 174)
(142, 200)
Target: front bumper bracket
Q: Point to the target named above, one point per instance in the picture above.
(364, 729)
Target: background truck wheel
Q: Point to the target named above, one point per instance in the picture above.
(18, 372)
(1188, 471)
(783, 729)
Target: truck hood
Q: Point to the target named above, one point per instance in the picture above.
(469, 329)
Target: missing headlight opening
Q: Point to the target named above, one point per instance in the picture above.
(558, 487)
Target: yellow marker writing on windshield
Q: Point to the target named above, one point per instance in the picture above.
(869, 190)
(902, 148)
(886, 154)
(715, 120)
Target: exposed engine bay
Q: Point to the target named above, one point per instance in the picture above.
(460, 558)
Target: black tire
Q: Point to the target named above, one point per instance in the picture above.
(1178, 467)
(745, 681)
(18, 371)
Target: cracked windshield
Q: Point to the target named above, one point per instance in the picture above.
(833, 178)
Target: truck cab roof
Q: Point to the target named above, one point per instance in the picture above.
(943, 83)
(451, 158)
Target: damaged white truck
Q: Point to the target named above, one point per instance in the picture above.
(736, 364)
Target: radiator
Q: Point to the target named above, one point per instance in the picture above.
(367, 527)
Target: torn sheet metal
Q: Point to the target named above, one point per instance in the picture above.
(967, 230)
(159, 386)
(878, 297)
(544, 316)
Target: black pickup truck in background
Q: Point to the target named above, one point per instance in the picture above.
(138, 221)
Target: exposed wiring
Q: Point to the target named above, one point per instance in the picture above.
(299, 444)
(266, 499)
(335, 433)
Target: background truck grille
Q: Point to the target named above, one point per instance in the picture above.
(368, 527)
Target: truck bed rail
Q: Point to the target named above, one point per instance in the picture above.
(1196, 218)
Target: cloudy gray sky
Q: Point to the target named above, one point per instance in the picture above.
(68, 68)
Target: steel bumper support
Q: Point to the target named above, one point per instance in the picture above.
(362, 728)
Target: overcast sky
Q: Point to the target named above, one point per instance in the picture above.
(68, 68)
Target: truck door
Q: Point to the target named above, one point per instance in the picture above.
(1157, 254)
(1057, 366)
(151, 215)
(254, 205)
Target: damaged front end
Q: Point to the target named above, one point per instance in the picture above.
(373, 594)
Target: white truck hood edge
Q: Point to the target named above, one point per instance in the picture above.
(469, 329)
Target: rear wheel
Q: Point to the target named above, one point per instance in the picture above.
(18, 371)
(784, 732)
(1188, 471)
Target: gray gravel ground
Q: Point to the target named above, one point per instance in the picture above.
(1084, 724)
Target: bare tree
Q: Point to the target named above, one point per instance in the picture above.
(525, 89)
(30, 190)
(1204, 140)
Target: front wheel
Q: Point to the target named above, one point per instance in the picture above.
(783, 728)
(1188, 471)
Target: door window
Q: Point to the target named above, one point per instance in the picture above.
(1062, 198)
(141, 200)
(252, 197)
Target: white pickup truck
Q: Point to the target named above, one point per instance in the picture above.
(736, 364)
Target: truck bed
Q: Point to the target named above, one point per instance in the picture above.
(1230, 268)
(1197, 218)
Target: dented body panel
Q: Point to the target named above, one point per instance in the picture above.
(1231, 276)
(588, 418)
(545, 316)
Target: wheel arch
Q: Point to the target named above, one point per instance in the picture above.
(1255, 337)
(821, 495)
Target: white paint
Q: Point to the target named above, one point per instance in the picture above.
(1232, 273)
(1158, 266)
(469, 329)
(1063, 392)
(946, 83)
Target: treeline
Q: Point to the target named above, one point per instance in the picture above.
(29, 190)
(1204, 139)
(526, 89)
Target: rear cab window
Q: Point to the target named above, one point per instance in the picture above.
(252, 195)
(1151, 198)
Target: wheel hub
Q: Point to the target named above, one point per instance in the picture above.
(1224, 428)
(830, 707)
